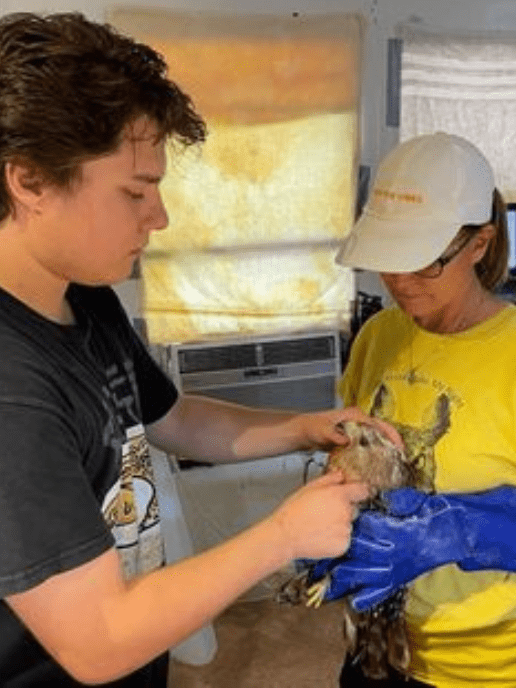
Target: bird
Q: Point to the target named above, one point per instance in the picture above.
(376, 638)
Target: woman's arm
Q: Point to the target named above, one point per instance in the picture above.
(417, 533)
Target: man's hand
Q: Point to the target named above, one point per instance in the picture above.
(316, 520)
(323, 429)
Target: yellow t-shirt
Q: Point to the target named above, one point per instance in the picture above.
(453, 398)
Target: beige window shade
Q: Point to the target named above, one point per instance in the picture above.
(256, 213)
(464, 84)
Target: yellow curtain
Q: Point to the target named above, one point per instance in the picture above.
(256, 213)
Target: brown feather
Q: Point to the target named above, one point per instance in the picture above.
(377, 638)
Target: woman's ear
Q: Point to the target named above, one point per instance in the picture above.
(481, 241)
(26, 184)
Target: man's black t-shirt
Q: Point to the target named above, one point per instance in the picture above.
(75, 471)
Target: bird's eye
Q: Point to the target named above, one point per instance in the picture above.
(363, 441)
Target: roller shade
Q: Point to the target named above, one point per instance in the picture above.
(463, 84)
(256, 213)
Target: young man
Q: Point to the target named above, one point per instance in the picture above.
(84, 117)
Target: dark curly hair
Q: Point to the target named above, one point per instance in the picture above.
(68, 89)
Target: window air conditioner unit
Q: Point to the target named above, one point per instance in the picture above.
(295, 371)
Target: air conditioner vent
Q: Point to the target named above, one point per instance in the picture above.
(193, 360)
(296, 372)
(298, 350)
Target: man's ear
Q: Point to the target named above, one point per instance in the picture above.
(26, 184)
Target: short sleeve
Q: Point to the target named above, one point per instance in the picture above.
(156, 390)
(51, 520)
(348, 384)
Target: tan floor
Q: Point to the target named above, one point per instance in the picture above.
(266, 645)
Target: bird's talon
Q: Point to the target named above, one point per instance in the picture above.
(316, 593)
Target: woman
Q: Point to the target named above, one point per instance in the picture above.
(440, 366)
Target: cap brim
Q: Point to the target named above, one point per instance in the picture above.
(392, 246)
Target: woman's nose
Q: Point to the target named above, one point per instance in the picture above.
(396, 277)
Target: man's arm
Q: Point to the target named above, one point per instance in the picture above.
(98, 627)
(220, 431)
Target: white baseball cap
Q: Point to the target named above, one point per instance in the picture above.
(425, 190)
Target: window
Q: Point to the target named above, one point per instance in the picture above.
(463, 84)
(256, 213)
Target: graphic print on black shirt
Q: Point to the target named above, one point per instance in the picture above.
(130, 507)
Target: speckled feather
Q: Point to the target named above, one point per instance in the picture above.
(376, 638)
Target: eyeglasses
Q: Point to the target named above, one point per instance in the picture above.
(436, 268)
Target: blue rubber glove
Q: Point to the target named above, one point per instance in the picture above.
(418, 533)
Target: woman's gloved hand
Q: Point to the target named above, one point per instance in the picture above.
(419, 532)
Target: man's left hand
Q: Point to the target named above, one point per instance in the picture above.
(323, 429)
